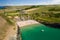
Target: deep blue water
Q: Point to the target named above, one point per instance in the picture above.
(2, 7)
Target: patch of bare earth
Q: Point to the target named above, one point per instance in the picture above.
(11, 32)
(32, 9)
(6, 30)
(3, 28)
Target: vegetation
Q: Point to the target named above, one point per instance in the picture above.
(31, 7)
(48, 14)
(43, 13)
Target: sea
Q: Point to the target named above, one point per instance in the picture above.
(2, 7)
(39, 32)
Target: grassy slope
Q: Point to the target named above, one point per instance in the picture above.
(39, 11)
(45, 9)
(4, 22)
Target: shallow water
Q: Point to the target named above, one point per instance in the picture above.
(39, 32)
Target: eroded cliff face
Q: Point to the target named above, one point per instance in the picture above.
(3, 27)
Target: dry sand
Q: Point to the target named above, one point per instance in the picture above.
(24, 23)
(11, 33)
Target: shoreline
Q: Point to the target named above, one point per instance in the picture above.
(54, 25)
(25, 23)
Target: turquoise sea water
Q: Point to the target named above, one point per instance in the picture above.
(34, 32)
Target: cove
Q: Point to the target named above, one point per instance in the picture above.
(39, 32)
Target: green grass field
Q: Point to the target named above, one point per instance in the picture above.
(48, 13)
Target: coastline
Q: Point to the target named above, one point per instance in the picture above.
(27, 22)
(54, 25)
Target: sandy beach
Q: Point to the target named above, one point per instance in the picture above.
(11, 33)
(25, 23)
